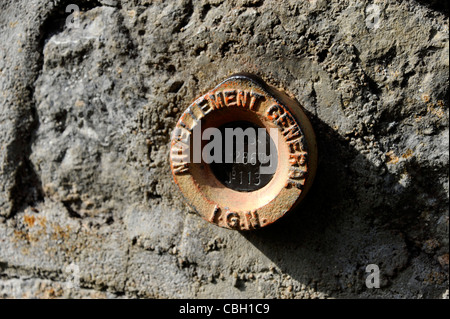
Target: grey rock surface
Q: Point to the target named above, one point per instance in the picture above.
(88, 207)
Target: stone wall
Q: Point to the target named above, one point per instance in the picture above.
(88, 207)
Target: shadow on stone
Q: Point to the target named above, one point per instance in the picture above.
(441, 6)
(356, 214)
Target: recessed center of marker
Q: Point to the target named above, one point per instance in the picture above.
(243, 173)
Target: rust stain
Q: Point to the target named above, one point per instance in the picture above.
(21, 235)
(409, 152)
(439, 112)
(391, 158)
(29, 220)
(60, 232)
(426, 97)
(35, 228)
(43, 222)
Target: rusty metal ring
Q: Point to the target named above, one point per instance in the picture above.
(244, 97)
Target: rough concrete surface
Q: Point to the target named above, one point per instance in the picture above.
(88, 207)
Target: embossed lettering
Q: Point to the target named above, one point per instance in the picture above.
(248, 99)
(283, 120)
(294, 139)
(232, 219)
(216, 101)
(214, 214)
(297, 159)
(296, 183)
(242, 98)
(296, 145)
(274, 112)
(179, 152)
(205, 107)
(181, 134)
(230, 97)
(252, 220)
(197, 110)
(297, 172)
(180, 169)
(180, 158)
(253, 102)
(191, 113)
(292, 131)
